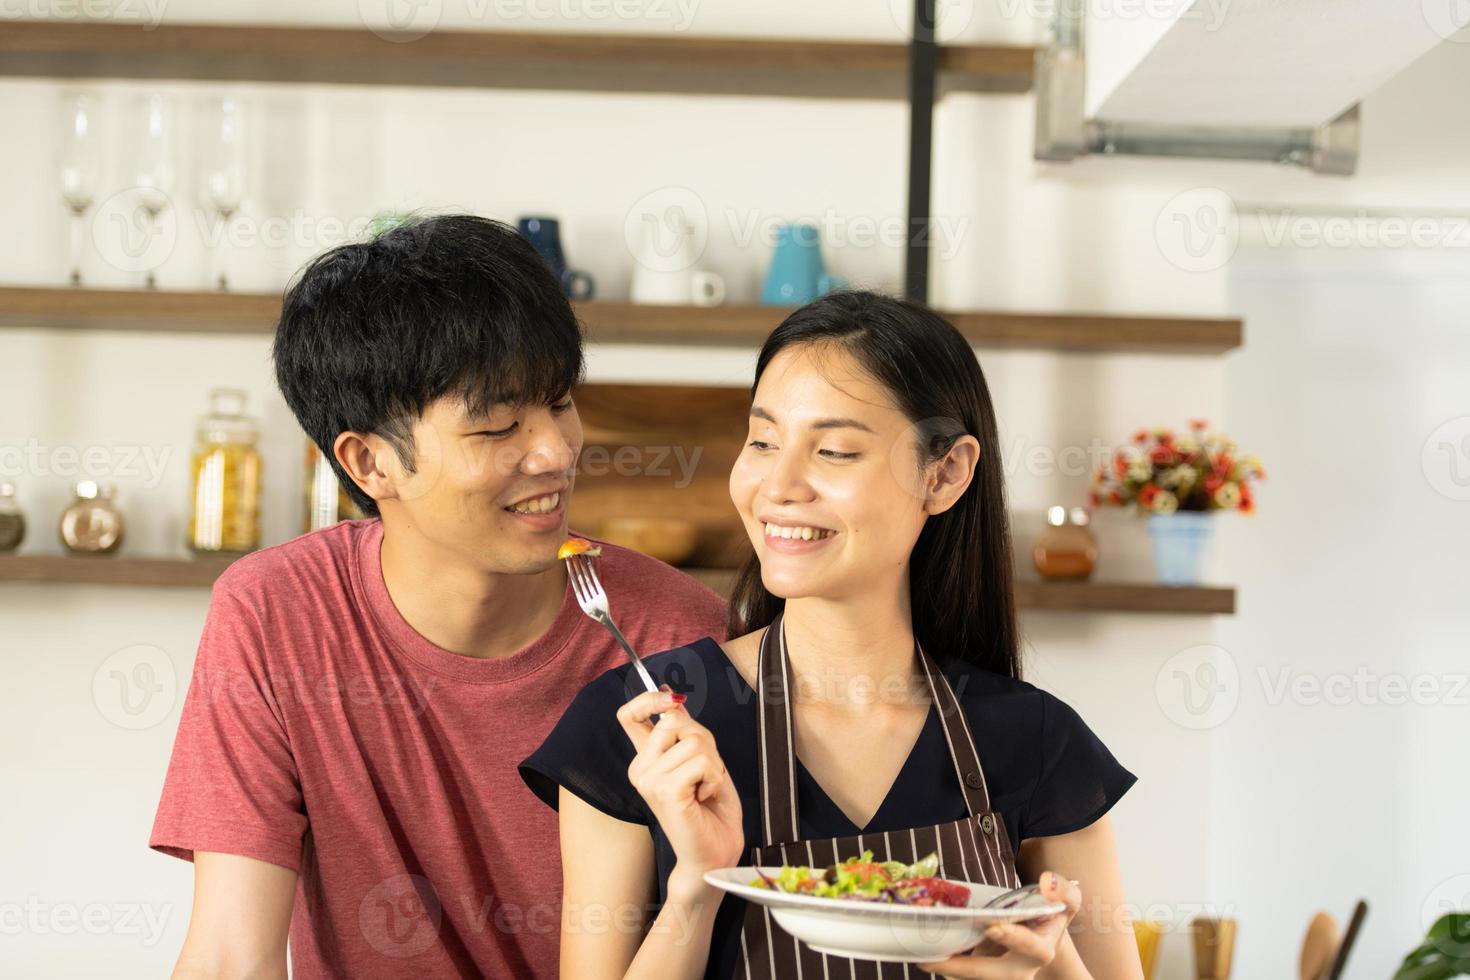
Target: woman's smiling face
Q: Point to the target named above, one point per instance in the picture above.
(829, 483)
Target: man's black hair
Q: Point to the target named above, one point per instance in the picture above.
(372, 333)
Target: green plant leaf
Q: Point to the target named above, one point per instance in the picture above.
(1444, 953)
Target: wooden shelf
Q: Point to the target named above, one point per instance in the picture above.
(1091, 333)
(504, 59)
(113, 570)
(616, 322)
(1139, 597)
(139, 309)
(201, 573)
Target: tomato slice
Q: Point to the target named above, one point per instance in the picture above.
(943, 892)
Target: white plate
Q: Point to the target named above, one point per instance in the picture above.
(877, 930)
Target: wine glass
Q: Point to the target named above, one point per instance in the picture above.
(152, 164)
(80, 168)
(223, 187)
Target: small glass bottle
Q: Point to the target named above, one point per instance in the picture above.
(225, 512)
(327, 500)
(12, 521)
(92, 525)
(1066, 549)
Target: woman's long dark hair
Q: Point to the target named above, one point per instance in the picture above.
(960, 572)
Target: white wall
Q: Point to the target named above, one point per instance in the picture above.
(1091, 236)
(1335, 770)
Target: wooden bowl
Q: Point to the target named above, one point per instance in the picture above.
(668, 539)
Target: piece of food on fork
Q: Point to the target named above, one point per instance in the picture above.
(578, 546)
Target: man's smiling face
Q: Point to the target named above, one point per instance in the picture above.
(493, 487)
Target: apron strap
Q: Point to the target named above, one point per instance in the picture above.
(777, 747)
(957, 736)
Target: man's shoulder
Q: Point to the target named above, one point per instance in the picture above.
(322, 558)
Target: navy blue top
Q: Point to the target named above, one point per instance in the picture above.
(1047, 773)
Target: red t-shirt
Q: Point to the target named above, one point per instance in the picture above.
(322, 733)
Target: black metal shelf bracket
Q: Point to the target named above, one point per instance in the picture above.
(923, 68)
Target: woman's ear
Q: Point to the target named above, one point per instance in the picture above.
(369, 461)
(950, 476)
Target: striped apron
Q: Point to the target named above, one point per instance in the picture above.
(974, 849)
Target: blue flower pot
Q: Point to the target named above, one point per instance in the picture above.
(1180, 540)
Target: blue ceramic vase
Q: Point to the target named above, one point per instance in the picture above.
(796, 275)
(1180, 541)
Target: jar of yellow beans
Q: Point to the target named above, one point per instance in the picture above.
(225, 512)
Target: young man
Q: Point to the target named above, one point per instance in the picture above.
(345, 765)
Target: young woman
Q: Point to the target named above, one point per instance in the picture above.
(873, 686)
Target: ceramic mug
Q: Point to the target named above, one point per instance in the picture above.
(544, 234)
(696, 288)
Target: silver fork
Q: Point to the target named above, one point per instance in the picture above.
(592, 597)
(1015, 896)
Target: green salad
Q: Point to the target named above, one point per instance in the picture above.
(864, 879)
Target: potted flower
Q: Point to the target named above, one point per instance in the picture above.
(1178, 481)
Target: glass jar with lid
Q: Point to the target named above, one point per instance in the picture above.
(12, 521)
(226, 477)
(92, 525)
(327, 500)
(1066, 548)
